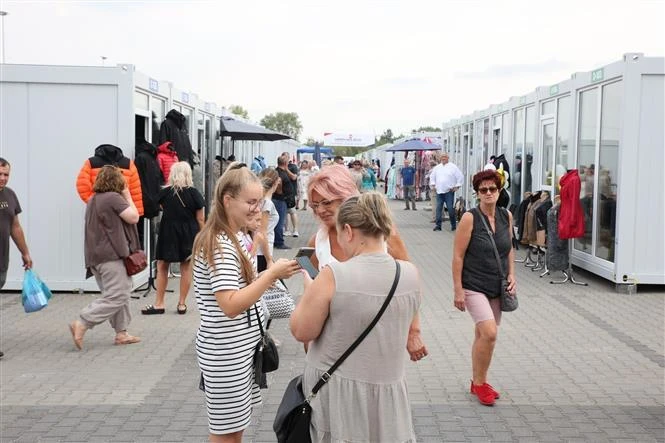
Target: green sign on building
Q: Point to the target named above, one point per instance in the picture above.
(597, 75)
(554, 90)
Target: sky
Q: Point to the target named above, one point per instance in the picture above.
(348, 66)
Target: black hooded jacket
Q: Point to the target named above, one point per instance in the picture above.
(174, 130)
(150, 174)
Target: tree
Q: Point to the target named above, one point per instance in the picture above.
(427, 129)
(239, 111)
(285, 122)
(386, 137)
(311, 141)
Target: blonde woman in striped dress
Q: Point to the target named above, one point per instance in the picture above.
(227, 293)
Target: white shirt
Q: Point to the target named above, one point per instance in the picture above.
(273, 218)
(445, 177)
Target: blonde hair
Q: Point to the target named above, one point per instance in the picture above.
(368, 212)
(205, 243)
(180, 176)
(269, 177)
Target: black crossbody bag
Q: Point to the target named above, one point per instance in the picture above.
(509, 301)
(294, 414)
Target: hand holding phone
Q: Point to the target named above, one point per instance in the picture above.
(302, 257)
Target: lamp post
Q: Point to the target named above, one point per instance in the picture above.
(103, 60)
(3, 14)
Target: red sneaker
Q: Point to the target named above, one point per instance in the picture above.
(496, 393)
(485, 393)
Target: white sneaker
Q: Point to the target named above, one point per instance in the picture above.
(294, 233)
(287, 233)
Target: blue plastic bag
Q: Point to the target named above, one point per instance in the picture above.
(35, 294)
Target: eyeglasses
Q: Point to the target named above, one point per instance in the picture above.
(325, 204)
(252, 204)
(490, 190)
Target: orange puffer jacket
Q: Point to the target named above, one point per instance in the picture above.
(109, 155)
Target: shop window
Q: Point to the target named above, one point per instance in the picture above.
(586, 151)
(505, 133)
(140, 100)
(529, 142)
(562, 140)
(547, 144)
(518, 151)
(547, 108)
(608, 164)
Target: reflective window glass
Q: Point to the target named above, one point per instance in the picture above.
(547, 151)
(518, 152)
(562, 140)
(547, 108)
(586, 153)
(140, 100)
(529, 141)
(608, 165)
(505, 133)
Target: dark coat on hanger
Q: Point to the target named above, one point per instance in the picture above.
(556, 256)
(174, 130)
(150, 175)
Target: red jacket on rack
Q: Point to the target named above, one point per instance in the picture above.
(166, 157)
(571, 215)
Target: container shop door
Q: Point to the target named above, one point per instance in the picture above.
(547, 131)
(598, 134)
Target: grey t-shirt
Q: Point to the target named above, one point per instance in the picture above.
(9, 208)
(105, 237)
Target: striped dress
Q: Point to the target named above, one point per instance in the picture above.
(225, 346)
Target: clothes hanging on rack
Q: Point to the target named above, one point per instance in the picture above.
(556, 256)
(541, 219)
(391, 180)
(521, 213)
(571, 215)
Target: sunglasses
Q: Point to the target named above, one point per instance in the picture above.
(490, 190)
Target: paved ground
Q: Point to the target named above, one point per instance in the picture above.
(572, 364)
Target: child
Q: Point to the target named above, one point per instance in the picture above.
(269, 218)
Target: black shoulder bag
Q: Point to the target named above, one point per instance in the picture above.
(508, 301)
(266, 357)
(294, 414)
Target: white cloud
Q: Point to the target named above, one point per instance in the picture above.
(350, 66)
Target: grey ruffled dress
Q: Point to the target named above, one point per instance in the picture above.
(366, 399)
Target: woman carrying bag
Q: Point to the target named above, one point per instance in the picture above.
(334, 311)
(228, 294)
(478, 278)
(110, 236)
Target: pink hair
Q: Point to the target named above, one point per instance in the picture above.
(333, 182)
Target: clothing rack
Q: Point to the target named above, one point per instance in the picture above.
(569, 275)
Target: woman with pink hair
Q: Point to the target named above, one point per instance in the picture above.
(326, 191)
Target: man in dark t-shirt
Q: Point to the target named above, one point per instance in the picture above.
(280, 198)
(10, 225)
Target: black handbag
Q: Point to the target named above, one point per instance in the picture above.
(266, 356)
(294, 414)
(509, 301)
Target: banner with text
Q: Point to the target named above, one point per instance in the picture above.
(345, 139)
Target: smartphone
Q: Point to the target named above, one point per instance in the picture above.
(306, 264)
(305, 251)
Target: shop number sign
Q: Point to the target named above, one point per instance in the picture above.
(597, 75)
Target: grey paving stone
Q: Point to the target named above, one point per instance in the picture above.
(572, 364)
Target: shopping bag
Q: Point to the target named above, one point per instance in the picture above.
(36, 294)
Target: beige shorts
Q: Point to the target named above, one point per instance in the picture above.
(482, 308)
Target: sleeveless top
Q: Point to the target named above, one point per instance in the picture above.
(322, 248)
(374, 375)
(480, 271)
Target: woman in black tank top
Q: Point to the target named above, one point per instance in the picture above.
(477, 277)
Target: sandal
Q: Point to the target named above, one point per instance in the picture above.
(182, 311)
(151, 310)
(126, 340)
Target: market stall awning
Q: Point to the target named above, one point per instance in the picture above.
(238, 130)
(414, 145)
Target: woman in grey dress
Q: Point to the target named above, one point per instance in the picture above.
(366, 399)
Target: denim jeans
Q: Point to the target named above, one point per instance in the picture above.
(410, 195)
(449, 199)
(280, 205)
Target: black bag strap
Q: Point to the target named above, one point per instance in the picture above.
(479, 213)
(326, 375)
(258, 319)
